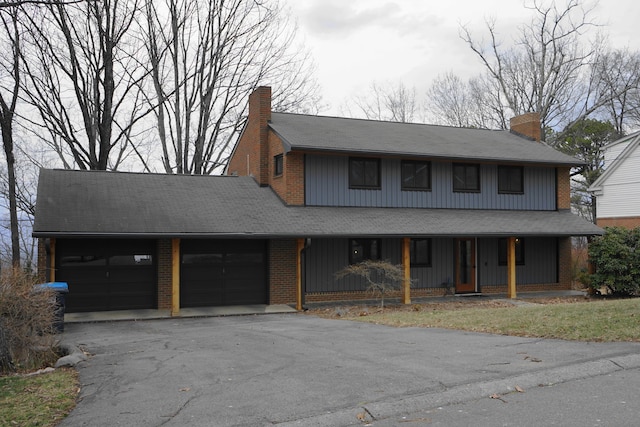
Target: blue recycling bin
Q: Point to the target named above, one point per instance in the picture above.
(60, 290)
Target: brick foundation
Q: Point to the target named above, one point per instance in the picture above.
(426, 292)
(626, 222)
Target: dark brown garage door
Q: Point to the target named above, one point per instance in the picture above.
(107, 275)
(223, 272)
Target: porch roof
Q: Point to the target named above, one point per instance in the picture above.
(414, 222)
(111, 204)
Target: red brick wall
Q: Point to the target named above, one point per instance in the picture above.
(426, 292)
(164, 274)
(564, 188)
(43, 266)
(282, 271)
(257, 147)
(250, 156)
(626, 222)
(290, 185)
(527, 124)
(294, 167)
(364, 295)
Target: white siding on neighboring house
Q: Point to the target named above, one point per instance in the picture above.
(618, 190)
(613, 151)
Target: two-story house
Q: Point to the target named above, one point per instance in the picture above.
(617, 190)
(463, 210)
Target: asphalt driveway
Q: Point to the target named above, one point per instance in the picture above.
(294, 369)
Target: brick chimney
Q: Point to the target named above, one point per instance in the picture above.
(260, 115)
(527, 125)
(251, 154)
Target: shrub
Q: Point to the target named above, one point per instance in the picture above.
(27, 338)
(380, 276)
(616, 258)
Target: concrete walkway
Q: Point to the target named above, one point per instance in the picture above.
(237, 310)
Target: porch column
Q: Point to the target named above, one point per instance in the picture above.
(406, 263)
(52, 259)
(299, 248)
(511, 267)
(175, 277)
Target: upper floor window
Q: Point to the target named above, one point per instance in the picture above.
(278, 165)
(502, 251)
(420, 252)
(416, 175)
(466, 177)
(363, 249)
(364, 173)
(510, 179)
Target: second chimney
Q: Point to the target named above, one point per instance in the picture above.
(527, 125)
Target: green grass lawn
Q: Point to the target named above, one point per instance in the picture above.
(38, 400)
(617, 320)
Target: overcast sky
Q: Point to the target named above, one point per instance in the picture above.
(355, 42)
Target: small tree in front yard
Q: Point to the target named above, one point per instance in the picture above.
(616, 258)
(380, 276)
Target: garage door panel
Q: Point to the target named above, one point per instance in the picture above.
(107, 274)
(246, 272)
(235, 295)
(202, 293)
(131, 275)
(223, 273)
(87, 302)
(129, 288)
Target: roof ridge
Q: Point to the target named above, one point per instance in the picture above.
(117, 172)
(389, 122)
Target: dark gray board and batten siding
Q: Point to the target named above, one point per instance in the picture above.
(325, 257)
(327, 184)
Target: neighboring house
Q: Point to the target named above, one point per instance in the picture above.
(463, 210)
(617, 190)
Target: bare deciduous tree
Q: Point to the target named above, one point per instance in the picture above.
(205, 57)
(476, 103)
(9, 93)
(15, 3)
(82, 78)
(390, 101)
(542, 72)
(449, 101)
(26, 178)
(380, 277)
(616, 77)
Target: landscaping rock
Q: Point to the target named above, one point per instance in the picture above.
(73, 356)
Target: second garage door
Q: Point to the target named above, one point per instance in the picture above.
(223, 272)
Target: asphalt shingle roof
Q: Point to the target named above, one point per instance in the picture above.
(93, 203)
(320, 133)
